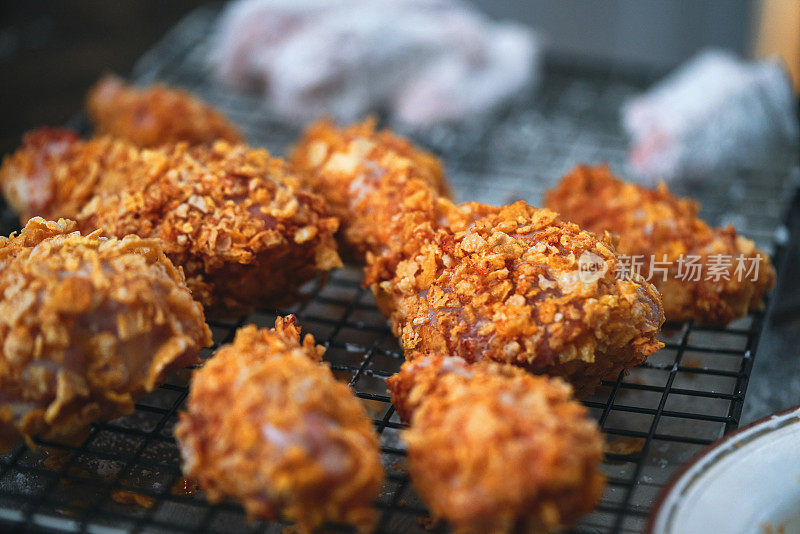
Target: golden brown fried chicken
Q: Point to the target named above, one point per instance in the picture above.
(494, 449)
(155, 116)
(367, 177)
(476, 281)
(271, 428)
(234, 218)
(88, 325)
(515, 285)
(711, 275)
(491, 448)
(54, 173)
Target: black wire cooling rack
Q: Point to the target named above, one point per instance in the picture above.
(125, 476)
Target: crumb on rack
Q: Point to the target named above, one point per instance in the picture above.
(625, 446)
(130, 497)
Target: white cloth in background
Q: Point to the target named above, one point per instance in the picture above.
(423, 61)
(714, 112)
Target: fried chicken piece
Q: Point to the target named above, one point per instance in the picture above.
(476, 281)
(89, 325)
(155, 116)
(291, 440)
(515, 285)
(657, 225)
(234, 218)
(492, 448)
(367, 177)
(55, 173)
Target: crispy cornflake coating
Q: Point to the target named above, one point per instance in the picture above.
(366, 176)
(472, 280)
(655, 224)
(270, 427)
(155, 116)
(88, 325)
(492, 448)
(511, 284)
(234, 218)
(54, 173)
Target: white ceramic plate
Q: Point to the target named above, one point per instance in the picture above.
(748, 482)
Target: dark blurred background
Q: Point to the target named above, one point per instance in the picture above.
(51, 51)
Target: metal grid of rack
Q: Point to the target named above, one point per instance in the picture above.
(125, 476)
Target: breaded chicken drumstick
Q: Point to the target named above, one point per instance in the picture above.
(155, 116)
(514, 285)
(271, 428)
(235, 218)
(666, 235)
(88, 325)
(366, 176)
(492, 448)
(54, 173)
(505, 284)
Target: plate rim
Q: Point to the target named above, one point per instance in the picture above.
(658, 504)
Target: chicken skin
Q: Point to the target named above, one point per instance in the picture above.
(492, 448)
(89, 325)
(233, 217)
(366, 176)
(711, 275)
(515, 285)
(290, 441)
(155, 116)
